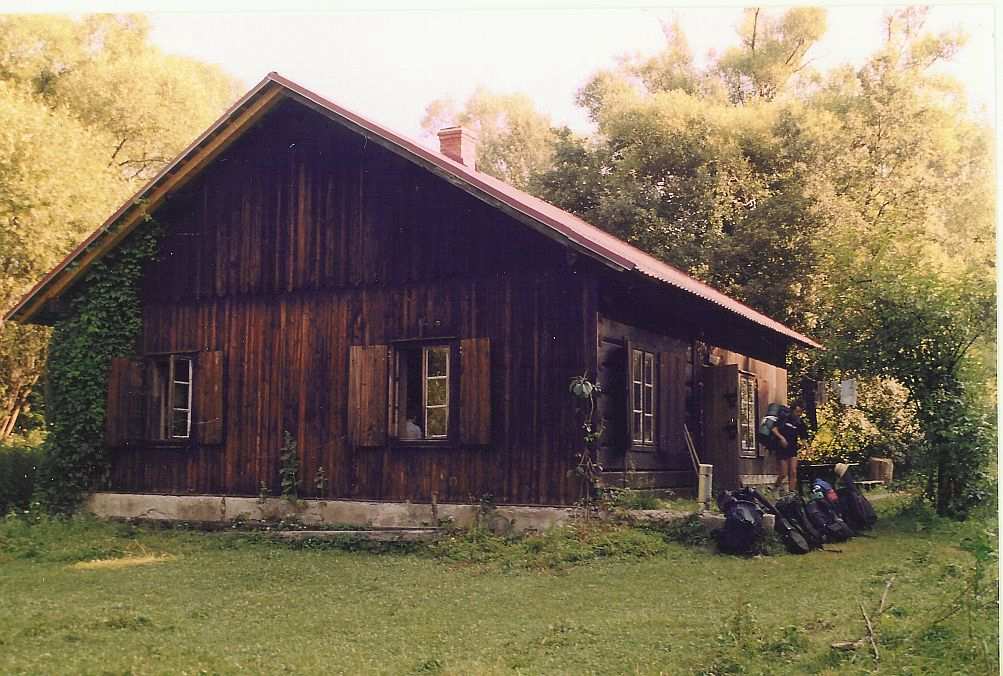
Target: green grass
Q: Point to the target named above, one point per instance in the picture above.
(591, 600)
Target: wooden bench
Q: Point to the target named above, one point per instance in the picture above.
(869, 484)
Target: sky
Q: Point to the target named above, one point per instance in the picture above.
(388, 65)
(387, 59)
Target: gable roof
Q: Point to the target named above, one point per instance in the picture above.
(263, 97)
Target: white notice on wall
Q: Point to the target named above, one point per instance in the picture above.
(848, 393)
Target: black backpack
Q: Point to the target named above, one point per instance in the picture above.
(792, 508)
(789, 533)
(855, 509)
(743, 524)
(825, 519)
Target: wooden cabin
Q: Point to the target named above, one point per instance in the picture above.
(412, 323)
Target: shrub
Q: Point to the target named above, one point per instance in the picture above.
(883, 424)
(18, 466)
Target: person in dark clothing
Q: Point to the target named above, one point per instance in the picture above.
(785, 444)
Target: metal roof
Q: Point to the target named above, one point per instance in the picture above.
(581, 235)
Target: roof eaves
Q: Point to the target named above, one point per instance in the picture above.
(108, 227)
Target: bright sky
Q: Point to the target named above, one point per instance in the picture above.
(387, 65)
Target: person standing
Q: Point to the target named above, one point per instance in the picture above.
(786, 434)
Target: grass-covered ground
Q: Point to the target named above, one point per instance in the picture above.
(599, 600)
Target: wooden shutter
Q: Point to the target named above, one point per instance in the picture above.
(475, 391)
(208, 398)
(124, 407)
(367, 395)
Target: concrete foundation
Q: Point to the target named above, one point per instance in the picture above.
(503, 519)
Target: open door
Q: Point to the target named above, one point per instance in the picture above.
(721, 434)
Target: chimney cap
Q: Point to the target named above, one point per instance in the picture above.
(457, 129)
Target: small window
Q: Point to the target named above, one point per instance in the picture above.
(421, 393)
(747, 414)
(642, 397)
(171, 412)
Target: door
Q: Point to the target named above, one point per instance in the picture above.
(721, 439)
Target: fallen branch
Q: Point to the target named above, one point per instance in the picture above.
(871, 636)
(870, 631)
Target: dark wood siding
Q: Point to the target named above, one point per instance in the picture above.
(303, 241)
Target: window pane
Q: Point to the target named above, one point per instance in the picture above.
(648, 392)
(182, 370)
(438, 391)
(436, 422)
(637, 427)
(648, 423)
(179, 424)
(637, 396)
(636, 371)
(181, 391)
(649, 368)
(438, 358)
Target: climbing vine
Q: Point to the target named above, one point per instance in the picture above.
(587, 468)
(103, 320)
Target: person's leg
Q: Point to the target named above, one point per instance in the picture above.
(792, 473)
(783, 472)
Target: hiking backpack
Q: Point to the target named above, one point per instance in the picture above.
(775, 414)
(825, 518)
(789, 533)
(743, 524)
(855, 509)
(792, 507)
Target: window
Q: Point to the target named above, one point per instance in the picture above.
(642, 401)
(171, 394)
(175, 399)
(421, 392)
(747, 414)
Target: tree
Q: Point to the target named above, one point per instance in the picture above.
(859, 210)
(715, 189)
(88, 111)
(514, 140)
(773, 50)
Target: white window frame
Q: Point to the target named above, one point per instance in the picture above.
(645, 383)
(446, 349)
(425, 378)
(178, 367)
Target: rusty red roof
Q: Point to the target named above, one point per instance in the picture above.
(582, 235)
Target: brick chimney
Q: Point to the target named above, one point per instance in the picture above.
(459, 144)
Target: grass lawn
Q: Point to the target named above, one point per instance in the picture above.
(593, 601)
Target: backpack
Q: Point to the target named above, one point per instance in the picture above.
(825, 519)
(855, 509)
(792, 537)
(775, 414)
(825, 489)
(792, 507)
(743, 524)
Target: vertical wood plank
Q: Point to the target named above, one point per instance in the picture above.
(475, 391)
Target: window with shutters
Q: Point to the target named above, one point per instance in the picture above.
(172, 380)
(747, 414)
(421, 392)
(171, 399)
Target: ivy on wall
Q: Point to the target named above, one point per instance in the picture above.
(103, 320)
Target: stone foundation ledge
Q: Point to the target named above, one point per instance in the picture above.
(709, 520)
(219, 509)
